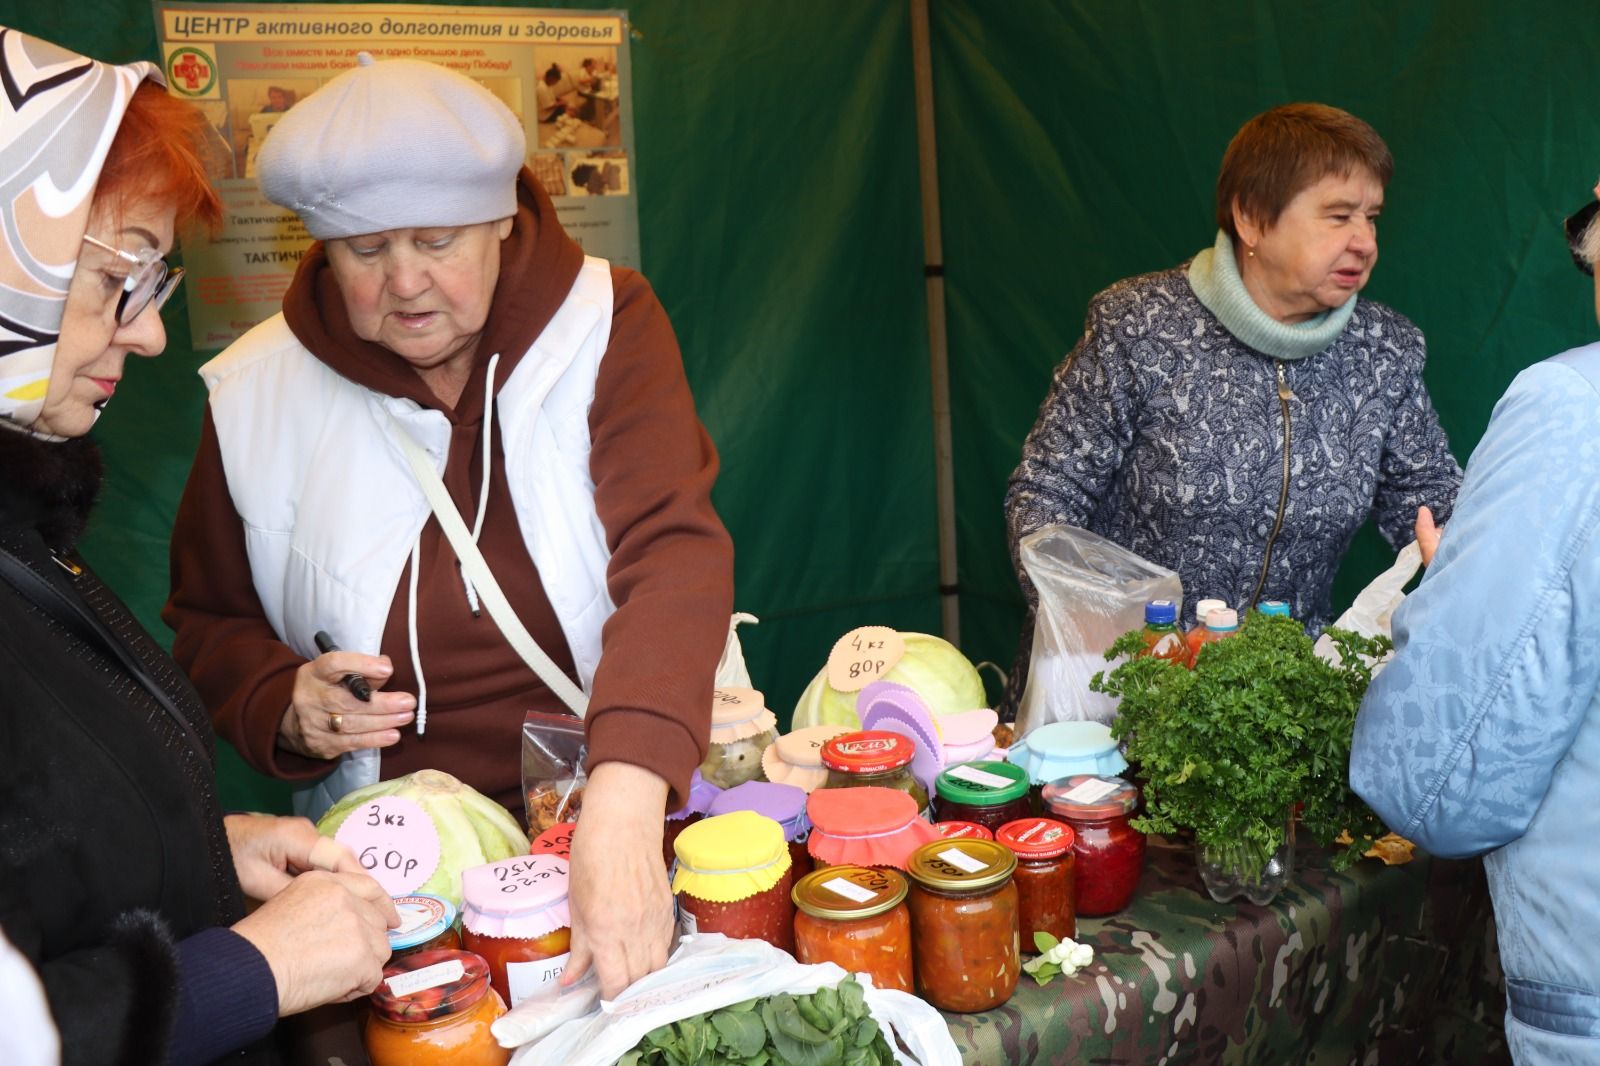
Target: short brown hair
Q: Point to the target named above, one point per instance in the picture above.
(156, 155)
(1281, 152)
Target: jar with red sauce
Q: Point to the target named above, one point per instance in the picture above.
(964, 924)
(701, 793)
(1046, 886)
(514, 913)
(784, 804)
(864, 827)
(989, 793)
(1110, 852)
(873, 759)
(427, 923)
(732, 878)
(856, 918)
(957, 830)
(434, 1008)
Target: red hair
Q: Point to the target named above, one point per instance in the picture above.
(157, 155)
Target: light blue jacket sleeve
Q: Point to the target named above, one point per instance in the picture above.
(1498, 651)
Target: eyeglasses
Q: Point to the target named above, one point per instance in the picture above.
(149, 280)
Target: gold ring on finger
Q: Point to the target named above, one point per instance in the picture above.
(335, 722)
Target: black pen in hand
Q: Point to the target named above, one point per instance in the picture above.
(354, 682)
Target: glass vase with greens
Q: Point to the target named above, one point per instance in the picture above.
(1231, 748)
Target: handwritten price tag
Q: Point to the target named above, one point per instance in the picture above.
(863, 656)
(735, 704)
(557, 841)
(395, 841)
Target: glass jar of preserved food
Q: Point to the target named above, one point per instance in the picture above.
(514, 913)
(964, 924)
(1110, 851)
(741, 730)
(784, 804)
(434, 1008)
(873, 759)
(989, 793)
(701, 793)
(427, 923)
(864, 827)
(957, 830)
(796, 758)
(1044, 877)
(856, 918)
(1062, 749)
(732, 878)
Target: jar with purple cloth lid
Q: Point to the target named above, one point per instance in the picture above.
(701, 793)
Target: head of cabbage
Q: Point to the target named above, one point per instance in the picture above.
(933, 668)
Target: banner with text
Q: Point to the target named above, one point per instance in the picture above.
(565, 74)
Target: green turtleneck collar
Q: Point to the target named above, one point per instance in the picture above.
(1214, 276)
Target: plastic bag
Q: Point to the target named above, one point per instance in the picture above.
(553, 776)
(1374, 606)
(731, 671)
(705, 973)
(1091, 591)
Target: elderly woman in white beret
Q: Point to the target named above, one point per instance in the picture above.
(467, 453)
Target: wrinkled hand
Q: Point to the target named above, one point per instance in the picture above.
(268, 851)
(325, 938)
(307, 726)
(1427, 534)
(622, 920)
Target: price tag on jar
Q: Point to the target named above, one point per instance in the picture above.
(735, 704)
(863, 656)
(526, 881)
(395, 841)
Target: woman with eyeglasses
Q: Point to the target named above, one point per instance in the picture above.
(121, 882)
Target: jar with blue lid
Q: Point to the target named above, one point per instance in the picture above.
(427, 923)
(1063, 749)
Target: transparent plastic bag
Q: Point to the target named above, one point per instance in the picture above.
(1374, 606)
(553, 778)
(1091, 591)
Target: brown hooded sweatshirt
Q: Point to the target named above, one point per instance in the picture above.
(670, 573)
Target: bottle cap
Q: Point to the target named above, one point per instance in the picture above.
(1222, 620)
(1160, 613)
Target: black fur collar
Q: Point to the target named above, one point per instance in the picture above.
(49, 485)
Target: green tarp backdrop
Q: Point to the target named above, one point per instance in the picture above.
(1078, 144)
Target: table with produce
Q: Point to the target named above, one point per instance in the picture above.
(902, 877)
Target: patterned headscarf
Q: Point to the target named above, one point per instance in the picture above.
(58, 114)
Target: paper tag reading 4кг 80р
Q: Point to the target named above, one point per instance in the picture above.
(394, 840)
(863, 656)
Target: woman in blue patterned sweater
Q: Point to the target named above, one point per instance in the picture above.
(1237, 418)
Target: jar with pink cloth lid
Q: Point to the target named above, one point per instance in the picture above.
(796, 758)
(741, 730)
(869, 826)
(514, 913)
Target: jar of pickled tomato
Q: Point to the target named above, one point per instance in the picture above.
(434, 1008)
(732, 878)
(1046, 887)
(856, 918)
(964, 924)
(989, 793)
(1110, 852)
(427, 923)
(514, 914)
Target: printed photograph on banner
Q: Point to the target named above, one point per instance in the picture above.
(550, 170)
(578, 96)
(597, 173)
(254, 106)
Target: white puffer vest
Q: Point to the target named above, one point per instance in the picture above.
(331, 511)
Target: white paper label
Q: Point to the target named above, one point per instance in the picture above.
(523, 979)
(962, 861)
(1089, 791)
(840, 887)
(687, 922)
(980, 777)
(440, 973)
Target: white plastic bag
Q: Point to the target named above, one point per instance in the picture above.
(1373, 608)
(731, 671)
(1091, 591)
(705, 973)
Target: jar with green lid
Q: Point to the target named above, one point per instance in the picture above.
(873, 759)
(856, 918)
(988, 793)
(965, 931)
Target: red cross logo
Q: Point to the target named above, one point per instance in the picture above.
(192, 71)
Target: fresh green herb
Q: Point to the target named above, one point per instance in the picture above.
(1260, 723)
(830, 1027)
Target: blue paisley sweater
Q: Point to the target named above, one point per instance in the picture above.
(1165, 433)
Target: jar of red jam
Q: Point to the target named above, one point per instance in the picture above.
(732, 878)
(964, 924)
(958, 830)
(784, 804)
(864, 827)
(1044, 877)
(873, 759)
(1110, 851)
(856, 918)
(427, 923)
(434, 1008)
(989, 793)
(701, 793)
(514, 913)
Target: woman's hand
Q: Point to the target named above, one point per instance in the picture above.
(622, 918)
(324, 720)
(324, 937)
(1427, 534)
(268, 851)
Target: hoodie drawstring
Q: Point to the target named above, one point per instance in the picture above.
(483, 489)
(411, 631)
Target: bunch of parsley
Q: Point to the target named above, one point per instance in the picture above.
(1259, 724)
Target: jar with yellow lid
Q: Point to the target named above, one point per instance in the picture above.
(435, 1008)
(856, 918)
(732, 878)
(964, 924)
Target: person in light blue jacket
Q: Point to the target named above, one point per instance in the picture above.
(1483, 734)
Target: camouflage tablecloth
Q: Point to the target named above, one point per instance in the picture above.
(1374, 965)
